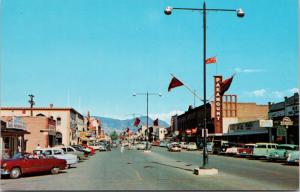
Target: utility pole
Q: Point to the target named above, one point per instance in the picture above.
(31, 102)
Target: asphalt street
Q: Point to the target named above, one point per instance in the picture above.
(160, 169)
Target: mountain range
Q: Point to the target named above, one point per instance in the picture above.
(111, 124)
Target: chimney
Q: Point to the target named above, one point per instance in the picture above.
(51, 106)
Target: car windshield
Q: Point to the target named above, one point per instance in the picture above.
(17, 156)
(287, 147)
(261, 146)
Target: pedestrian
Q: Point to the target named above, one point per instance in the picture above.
(122, 148)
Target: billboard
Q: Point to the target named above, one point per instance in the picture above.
(218, 105)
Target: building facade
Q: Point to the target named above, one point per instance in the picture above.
(287, 109)
(12, 139)
(69, 122)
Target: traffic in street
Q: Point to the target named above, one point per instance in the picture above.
(133, 169)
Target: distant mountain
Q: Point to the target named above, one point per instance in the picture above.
(110, 124)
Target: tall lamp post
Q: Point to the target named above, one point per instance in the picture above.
(147, 94)
(240, 13)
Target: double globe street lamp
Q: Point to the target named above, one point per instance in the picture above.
(239, 13)
(147, 94)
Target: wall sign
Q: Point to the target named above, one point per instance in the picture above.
(218, 105)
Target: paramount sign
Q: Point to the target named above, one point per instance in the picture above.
(218, 105)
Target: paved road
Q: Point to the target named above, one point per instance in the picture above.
(160, 169)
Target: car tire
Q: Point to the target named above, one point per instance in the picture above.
(54, 170)
(15, 173)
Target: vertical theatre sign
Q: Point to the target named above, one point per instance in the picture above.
(218, 105)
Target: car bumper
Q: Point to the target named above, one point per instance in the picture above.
(5, 172)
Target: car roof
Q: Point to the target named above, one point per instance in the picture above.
(266, 144)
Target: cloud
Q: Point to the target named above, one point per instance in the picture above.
(166, 116)
(240, 70)
(293, 90)
(277, 94)
(257, 93)
(272, 94)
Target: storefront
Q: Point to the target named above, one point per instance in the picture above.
(12, 136)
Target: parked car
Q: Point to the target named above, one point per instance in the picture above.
(175, 147)
(293, 157)
(58, 153)
(141, 146)
(246, 150)
(219, 146)
(233, 148)
(183, 145)
(262, 150)
(163, 144)
(91, 149)
(71, 150)
(191, 146)
(94, 146)
(282, 151)
(26, 163)
(86, 151)
(209, 146)
(169, 146)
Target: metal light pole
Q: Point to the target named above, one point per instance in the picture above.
(240, 13)
(147, 95)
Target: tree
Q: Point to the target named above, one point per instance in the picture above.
(114, 135)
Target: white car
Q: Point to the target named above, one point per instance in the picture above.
(191, 146)
(71, 150)
(141, 146)
(94, 146)
(59, 154)
(183, 145)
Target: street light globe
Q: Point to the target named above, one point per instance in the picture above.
(168, 10)
(240, 12)
(134, 94)
(160, 94)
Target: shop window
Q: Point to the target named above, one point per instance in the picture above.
(58, 121)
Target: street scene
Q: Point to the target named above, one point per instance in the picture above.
(149, 95)
(162, 170)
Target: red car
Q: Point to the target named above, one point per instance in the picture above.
(246, 151)
(27, 163)
(92, 149)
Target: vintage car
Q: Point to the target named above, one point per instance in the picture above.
(142, 145)
(86, 151)
(175, 148)
(218, 146)
(91, 149)
(71, 150)
(28, 163)
(58, 153)
(169, 145)
(293, 157)
(183, 145)
(282, 151)
(262, 150)
(191, 146)
(233, 149)
(163, 144)
(246, 150)
(94, 145)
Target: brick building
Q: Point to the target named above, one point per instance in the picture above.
(69, 122)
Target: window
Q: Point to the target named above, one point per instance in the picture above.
(70, 149)
(57, 152)
(58, 121)
(48, 152)
(261, 146)
(64, 149)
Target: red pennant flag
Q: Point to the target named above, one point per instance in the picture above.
(211, 60)
(225, 85)
(137, 122)
(174, 83)
(155, 122)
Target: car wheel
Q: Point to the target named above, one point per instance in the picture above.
(54, 170)
(15, 173)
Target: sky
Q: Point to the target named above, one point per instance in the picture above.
(92, 55)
